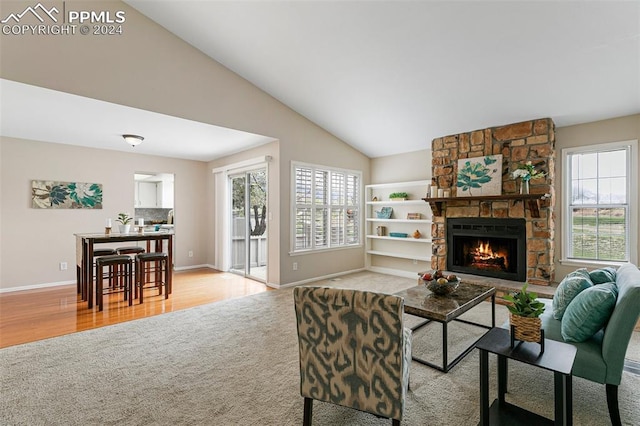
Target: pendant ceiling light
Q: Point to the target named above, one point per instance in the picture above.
(133, 140)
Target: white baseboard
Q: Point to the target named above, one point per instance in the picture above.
(394, 272)
(36, 286)
(271, 285)
(186, 268)
(61, 283)
(310, 280)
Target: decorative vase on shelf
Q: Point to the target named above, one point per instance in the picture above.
(524, 187)
(124, 229)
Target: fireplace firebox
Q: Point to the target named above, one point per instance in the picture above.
(488, 247)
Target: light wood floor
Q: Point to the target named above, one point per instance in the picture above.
(31, 315)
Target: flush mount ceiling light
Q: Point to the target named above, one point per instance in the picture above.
(133, 140)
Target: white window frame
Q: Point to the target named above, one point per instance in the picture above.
(315, 167)
(632, 191)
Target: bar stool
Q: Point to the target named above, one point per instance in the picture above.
(120, 266)
(152, 264)
(104, 252)
(96, 253)
(131, 250)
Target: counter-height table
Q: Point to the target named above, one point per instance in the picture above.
(84, 254)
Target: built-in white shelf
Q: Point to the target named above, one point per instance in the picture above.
(375, 219)
(395, 203)
(400, 185)
(407, 239)
(403, 249)
(399, 255)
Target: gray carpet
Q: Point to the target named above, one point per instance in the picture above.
(236, 363)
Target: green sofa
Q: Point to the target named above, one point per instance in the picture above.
(601, 357)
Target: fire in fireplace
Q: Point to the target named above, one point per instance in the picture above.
(488, 247)
(481, 254)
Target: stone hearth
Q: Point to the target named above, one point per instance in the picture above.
(518, 143)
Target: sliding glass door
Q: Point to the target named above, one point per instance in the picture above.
(249, 224)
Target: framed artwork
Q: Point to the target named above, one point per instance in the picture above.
(480, 176)
(48, 194)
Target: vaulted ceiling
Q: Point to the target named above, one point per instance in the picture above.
(389, 76)
(386, 77)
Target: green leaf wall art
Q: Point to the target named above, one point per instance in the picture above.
(47, 194)
(480, 176)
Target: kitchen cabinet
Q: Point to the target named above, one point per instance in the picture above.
(146, 195)
(393, 254)
(164, 193)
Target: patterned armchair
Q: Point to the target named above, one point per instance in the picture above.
(354, 350)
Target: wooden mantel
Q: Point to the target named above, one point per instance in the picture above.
(532, 201)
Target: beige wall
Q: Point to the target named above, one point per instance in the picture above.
(406, 167)
(35, 241)
(613, 130)
(149, 68)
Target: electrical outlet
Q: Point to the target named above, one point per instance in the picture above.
(63, 266)
(295, 266)
(190, 253)
(415, 261)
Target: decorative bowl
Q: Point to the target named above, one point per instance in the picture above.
(442, 289)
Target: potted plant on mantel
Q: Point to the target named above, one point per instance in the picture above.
(524, 316)
(526, 172)
(125, 221)
(398, 196)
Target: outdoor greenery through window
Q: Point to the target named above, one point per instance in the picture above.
(599, 203)
(327, 207)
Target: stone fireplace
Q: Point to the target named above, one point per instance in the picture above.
(533, 255)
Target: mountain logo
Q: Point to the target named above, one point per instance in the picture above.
(38, 11)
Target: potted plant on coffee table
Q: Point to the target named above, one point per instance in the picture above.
(125, 221)
(524, 316)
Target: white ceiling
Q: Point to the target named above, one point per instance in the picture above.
(389, 76)
(40, 114)
(384, 76)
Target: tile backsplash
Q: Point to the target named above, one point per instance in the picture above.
(152, 215)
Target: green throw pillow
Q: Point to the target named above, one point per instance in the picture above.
(604, 275)
(569, 287)
(588, 312)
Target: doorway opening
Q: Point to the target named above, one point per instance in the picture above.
(154, 199)
(248, 192)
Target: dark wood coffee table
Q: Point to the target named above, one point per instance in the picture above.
(423, 303)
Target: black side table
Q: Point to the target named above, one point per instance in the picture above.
(557, 357)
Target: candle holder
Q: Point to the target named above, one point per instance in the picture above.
(107, 230)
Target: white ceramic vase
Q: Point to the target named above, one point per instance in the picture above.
(124, 229)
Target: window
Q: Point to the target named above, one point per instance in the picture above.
(600, 203)
(326, 207)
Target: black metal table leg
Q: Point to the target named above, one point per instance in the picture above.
(563, 396)
(493, 310)
(444, 346)
(502, 378)
(484, 388)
